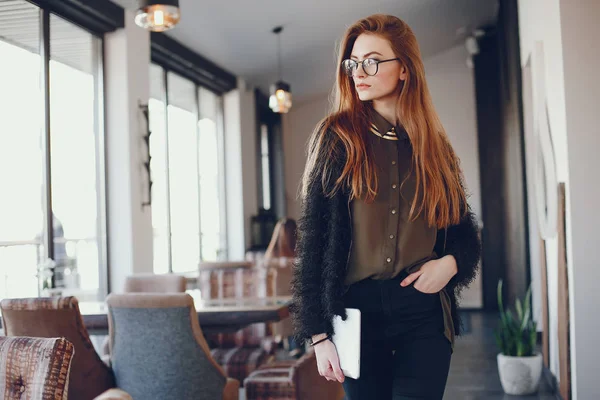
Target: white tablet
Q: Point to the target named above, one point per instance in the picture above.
(347, 342)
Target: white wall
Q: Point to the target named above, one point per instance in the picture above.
(569, 30)
(580, 33)
(540, 20)
(452, 88)
(127, 84)
(240, 168)
(298, 125)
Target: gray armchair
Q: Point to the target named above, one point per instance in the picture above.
(158, 350)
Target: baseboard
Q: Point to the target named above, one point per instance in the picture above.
(551, 380)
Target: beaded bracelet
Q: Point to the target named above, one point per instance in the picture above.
(328, 337)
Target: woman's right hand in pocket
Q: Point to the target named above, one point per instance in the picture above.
(328, 361)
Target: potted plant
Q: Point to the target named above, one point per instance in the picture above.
(519, 364)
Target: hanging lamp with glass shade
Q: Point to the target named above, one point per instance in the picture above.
(281, 95)
(158, 15)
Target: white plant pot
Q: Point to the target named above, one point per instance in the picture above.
(520, 375)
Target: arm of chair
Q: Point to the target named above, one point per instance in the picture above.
(106, 360)
(282, 374)
(114, 394)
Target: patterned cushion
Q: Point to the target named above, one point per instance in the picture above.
(34, 368)
(239, 362)
(40, 303)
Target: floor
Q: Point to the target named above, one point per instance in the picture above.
(474, 372)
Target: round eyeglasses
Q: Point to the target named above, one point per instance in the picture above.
(369, 65)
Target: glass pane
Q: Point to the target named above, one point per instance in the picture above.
(21, 154)
(75, 171)
(183, 174)
(158, 170)
(208, 164)
(264, 160)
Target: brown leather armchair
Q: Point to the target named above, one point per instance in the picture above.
(60, 317)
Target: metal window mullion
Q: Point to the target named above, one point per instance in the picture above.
(101, 186)
(46, 141)
(198, 172)
(222, 173)
(167, 170)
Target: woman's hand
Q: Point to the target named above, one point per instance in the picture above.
(433, 276)
(328, 361)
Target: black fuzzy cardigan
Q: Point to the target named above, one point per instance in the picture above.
(323, 246)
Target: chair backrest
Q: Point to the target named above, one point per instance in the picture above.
(60, 317)
(158, 350)
(280, 281)
(233, 279)
(153, 283)
(35, 368)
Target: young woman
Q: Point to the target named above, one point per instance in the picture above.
(385, 225)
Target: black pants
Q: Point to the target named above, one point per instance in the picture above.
(404, 352)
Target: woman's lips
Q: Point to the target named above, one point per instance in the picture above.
(362, 86)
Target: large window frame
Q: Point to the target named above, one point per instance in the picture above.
(175, 58)
(269, 153)
(167, 74)
(97, 19)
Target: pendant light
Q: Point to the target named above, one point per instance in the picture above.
(158, 15)
(281, 96)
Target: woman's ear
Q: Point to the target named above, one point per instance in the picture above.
(403, 73)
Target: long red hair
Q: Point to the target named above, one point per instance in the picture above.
(439, 191)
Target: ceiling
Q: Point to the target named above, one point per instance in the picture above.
(237, 34)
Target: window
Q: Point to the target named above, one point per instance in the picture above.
(269, 152)
(21, 154)
(185, 149)
(51, 149)
(264, 163)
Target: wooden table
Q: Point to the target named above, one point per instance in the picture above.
(223, 315)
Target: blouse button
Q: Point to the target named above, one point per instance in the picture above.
(391, 236)
(394, 162)
(394, 186)
(394, 211)
(389, 260)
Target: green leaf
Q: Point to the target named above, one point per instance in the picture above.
(519, 310)
(517, 332)
(499, 342)
(528, 299)
(525, 320)
(500, 302)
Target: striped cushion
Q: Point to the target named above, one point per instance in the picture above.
(34, 368)
(239, 362)
(40, 303)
